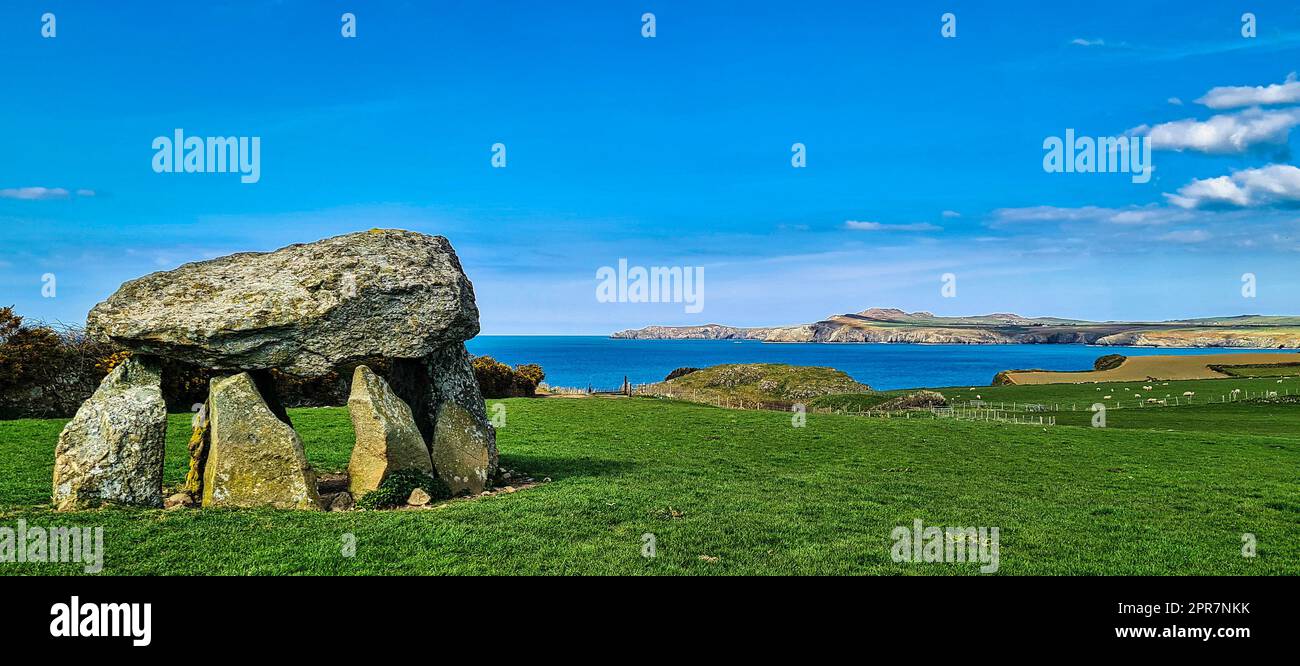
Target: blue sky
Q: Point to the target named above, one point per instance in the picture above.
(671, 151)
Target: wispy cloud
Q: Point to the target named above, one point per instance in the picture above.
(1128, 216)
(33, 193)
(1186, 236)
(879, 226)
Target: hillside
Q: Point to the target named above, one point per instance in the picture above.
(756, 384)
(890, 325)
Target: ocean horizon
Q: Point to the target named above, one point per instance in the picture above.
(602, 362)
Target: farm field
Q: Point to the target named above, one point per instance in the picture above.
(1139, 368)
(743, 492)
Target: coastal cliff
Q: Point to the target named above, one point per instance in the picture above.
(889, 325)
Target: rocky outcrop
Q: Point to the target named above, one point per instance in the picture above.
(387, 439)
(303, 309)
(111, 452)
(254, 459)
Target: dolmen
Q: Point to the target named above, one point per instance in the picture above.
(382, 298)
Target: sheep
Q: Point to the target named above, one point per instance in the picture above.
(1152, 401)
(1188, 394)
(1107, 397)
(1146, 388)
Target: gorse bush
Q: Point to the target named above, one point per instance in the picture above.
(498, 380)
(44, 371)
(680, 372)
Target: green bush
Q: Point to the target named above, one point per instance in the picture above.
(1109, 362)
(397, 487)
(498, 380)
(680, 372)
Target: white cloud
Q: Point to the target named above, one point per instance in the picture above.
(1130, 216)
(1229, 133)
(877, 226)
(1275, 184)
(1186, 236)
(951, 213)
(1079, 41)
(34, 193)
(1230, 97)
(1175, 101)
(85, 193)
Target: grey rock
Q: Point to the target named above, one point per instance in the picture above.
(419, 497)
(463, 454)
(254, 458)
(112, 450)
(343, 502)
(304, 309)
(446, 378)
(387, 439)
(181, 500)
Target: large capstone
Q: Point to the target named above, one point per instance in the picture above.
(387, 439)
(111, 452)
(304, 309)
(254, 459)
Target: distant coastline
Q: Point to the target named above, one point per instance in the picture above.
(891, 326)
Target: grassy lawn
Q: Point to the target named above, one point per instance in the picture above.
(741, 486)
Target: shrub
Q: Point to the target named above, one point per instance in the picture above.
(1109, 362)
(529, 375)
(397, 487)
(680, 372)
(498, 380)
(46, 372)
(494, 377)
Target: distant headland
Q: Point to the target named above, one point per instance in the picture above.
(891, 325)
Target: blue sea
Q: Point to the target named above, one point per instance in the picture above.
(602, 362)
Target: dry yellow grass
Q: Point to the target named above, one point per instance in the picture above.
(1139, 368)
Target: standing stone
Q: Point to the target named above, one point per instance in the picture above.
(429, 385)
(461, 450)
(112, 450)
(254, 458)
(198, 449)
(387, 439)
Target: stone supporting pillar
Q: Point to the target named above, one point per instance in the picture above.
(111, 452)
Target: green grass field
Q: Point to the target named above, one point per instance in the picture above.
(1287, 371)
(744, 487)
